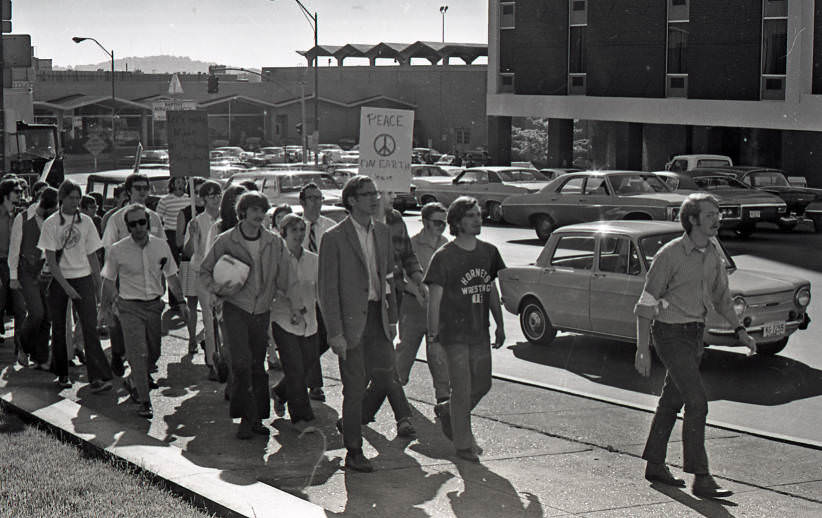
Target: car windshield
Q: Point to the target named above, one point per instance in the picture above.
(522, 175)
(629, 184)
(713, 162)
(772, 179)
(712, 183)
(650, 245)
(295, 182)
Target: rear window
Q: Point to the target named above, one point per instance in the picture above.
(574, 252)
(712, 162)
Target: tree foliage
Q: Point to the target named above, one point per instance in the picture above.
(529, 140)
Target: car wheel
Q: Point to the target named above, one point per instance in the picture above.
(494, 211)
(817, 224)
(787, 227)
(535, 324)
(744, 230)
(772, 348)
(544, 225)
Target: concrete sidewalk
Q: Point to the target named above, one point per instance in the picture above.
(546, 453)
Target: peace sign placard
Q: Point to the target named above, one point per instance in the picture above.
(385, 147)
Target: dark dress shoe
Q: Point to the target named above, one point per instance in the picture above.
(660, 473)
(316, 394)
(705, 486)
(152, 384)
(117, 366)
(244, 431)
(358, 462)
(405, 428)
(145, 411)
(260, 429)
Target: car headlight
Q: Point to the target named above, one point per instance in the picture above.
(802, 297)
(739, 305)
(731, 211)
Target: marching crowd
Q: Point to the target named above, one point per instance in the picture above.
(266, 276)
(273, 288)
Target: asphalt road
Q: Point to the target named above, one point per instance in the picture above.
(778, 396)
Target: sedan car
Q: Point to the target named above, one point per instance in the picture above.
(489, 185)
(593, 196)
(813, 212)
(284, 186)
(104, 183)
(740, 205)
(774, 181)
(588, 278)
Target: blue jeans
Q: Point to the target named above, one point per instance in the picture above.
(413, 326)
(297, 354)
(36, 328)
(680, 347)
(469, 367)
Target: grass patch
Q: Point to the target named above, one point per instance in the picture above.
(42, 476)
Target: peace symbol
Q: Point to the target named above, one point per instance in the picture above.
(385, 145)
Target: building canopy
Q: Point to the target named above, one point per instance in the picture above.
(401, 52)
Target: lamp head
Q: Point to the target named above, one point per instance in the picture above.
(78, 39)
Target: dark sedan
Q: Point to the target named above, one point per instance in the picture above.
(741, 206)
(774, 181)
(593, 196)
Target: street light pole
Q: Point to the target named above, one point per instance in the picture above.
(110, 53)
(443, 10)
(312, 21)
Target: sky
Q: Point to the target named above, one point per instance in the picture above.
(244, 33)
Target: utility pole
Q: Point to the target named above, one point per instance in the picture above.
(303, 135)
(443, 10)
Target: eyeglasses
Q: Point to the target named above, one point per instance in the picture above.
(135, 222)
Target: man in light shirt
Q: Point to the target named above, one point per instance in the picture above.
(70, 241)
(139, 263)
(10, 193)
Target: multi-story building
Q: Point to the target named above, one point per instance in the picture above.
(655, 78)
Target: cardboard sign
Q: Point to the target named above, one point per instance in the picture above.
(188, 143)
(385, 147)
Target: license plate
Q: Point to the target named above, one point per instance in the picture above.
(773, 329)
(754, 214)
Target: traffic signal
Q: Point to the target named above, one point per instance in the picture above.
(299, 127)
(213, 84)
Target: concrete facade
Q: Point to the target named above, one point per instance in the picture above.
(724, 107)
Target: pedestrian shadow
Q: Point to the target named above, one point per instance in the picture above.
(171, 320)
(400, 484)
(487, 494)
(707, 507)
(726, 375)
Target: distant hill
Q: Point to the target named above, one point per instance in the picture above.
(150, 65)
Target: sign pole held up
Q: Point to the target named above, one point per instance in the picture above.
(188, 147)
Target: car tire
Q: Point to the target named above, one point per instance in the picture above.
(817, 224)
(771, 349)
(543, 225)
(534, 322)
(494, 211)
(787, 227)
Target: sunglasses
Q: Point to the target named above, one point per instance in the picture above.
(135, 222)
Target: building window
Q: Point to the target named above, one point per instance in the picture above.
(576, 50)
(775, 8)
(506, 83)
(506, 15)
(678, 11)
(677, 48)
(463, 135)
(774, 46)
(578, 12)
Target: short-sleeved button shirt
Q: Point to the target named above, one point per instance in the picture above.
(140, 268)
(467, 278)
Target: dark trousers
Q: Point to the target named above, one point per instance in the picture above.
(296, 354)
(314, 373)
(118, 342)
(680, 347)
(96, 364)
(34, 335)
(372, 360)
(13, 297)
(141, 323)
(247, 338)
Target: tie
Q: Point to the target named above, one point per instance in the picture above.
(312, 241)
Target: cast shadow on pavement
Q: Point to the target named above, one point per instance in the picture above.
(704, 507)
(730, 376)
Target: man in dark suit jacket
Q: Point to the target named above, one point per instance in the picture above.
(356, 260)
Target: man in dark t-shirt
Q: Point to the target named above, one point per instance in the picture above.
(462, 290)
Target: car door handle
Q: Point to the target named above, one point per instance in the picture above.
(598, 275)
